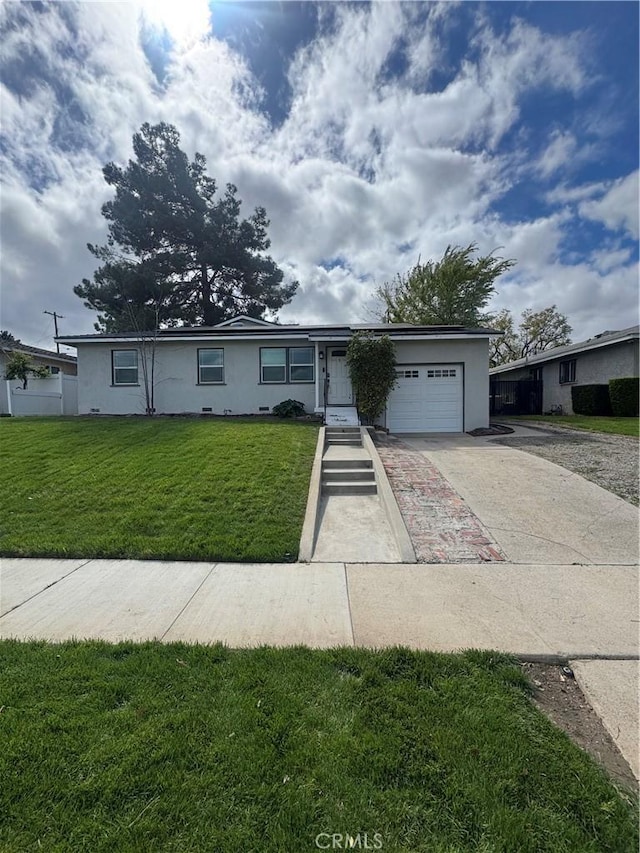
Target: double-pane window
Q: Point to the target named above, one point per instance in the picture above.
(124, 364)
(287, 364)
(210, 365)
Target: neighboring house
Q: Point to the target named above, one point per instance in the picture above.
(247, 366)
(55, 395)
(54, 362)
(610, 355)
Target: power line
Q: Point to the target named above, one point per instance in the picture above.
(55, 323)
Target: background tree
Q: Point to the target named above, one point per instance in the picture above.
(450, 292)
(538, 332)
(372, 369)
(168, 230)
(7, 338)
(21, 366)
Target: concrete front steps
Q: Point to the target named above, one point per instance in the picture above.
(348, 477)
(343, 437)
(346, 471)
(352, 515)
(341, 416)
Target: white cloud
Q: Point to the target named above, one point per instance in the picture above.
(525, 60)
(563, 194)
(366, 173)
(558, 154)
(610, 258)
(618, 207)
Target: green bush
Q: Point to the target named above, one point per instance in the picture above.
(372, 369)
(625, 397)
(289, 409)
(591, 400)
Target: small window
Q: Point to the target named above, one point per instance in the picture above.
(568, 371)
(273, 365)
(338, 353)
(54, 371)
(210, 366)
(301, 364)
(124, 366)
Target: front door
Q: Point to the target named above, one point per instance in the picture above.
(340, 393)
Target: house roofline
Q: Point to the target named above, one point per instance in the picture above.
(310, 333)
(67, 358)
(597, 342)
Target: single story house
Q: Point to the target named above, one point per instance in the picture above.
(55, 362)
(609, 355)
(247, 366)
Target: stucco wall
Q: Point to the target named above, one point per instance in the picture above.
(177, 389)
(593, 367)
(596, 366)
(473, 355)
(176, 381)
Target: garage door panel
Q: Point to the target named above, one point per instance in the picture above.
(427, 398)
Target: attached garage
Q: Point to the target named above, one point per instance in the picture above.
(427, 398)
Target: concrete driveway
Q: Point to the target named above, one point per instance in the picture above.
(536, 511)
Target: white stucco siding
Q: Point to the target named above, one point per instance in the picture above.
(472, 354)
(176, 380)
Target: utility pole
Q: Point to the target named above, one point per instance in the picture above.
(55, 323)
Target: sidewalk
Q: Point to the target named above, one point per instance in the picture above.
(568, 610)
(572, 611)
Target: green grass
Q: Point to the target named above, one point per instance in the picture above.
(193, 748)
(615, 426)
(165, 488)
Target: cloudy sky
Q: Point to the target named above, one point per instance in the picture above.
(374, 134)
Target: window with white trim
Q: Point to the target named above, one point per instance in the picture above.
(567, 371)
(273, 364)
(287, 364)
(124, 366)
(210, 366)
(301, 363)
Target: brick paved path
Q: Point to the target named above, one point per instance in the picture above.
(441, 526)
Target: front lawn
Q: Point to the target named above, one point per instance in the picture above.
(195, 748)
(164, 488)
(615, 426)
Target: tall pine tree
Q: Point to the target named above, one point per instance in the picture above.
(176, 252)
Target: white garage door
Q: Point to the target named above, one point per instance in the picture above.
(427, 398)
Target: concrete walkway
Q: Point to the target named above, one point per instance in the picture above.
(567, 610)
(577, 612)
(353, 527)
(536, 511)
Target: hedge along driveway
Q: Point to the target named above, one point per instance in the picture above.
(163, 488)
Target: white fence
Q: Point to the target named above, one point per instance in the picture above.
(56, 395)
